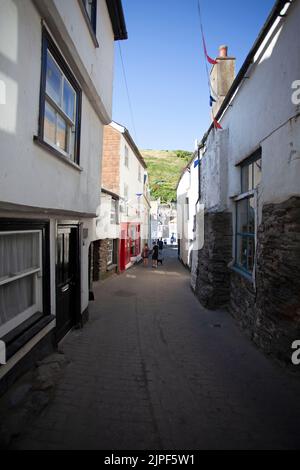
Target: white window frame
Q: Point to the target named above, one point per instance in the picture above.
(38, 291)
(70, 124)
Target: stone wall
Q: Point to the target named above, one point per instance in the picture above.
(213, 279)
(271, 313)
(100, 256)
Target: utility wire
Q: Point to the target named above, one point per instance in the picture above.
(127, 91)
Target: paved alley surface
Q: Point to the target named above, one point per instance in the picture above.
(154, 370)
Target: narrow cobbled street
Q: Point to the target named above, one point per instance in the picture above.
(154, 370)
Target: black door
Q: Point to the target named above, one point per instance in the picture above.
(67, 279)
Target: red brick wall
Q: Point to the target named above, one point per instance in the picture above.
(111, 160)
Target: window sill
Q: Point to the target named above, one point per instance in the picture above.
(243, 273)
(56, 153)
(17, 338)
(88, 23)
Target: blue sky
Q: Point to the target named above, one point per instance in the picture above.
(165, 68)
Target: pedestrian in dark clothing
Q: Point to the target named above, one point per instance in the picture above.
(160, 257)
(154, 255)
(160, 244)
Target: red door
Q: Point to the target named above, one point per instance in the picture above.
(138, 240)
(122, 251)
(124, 247)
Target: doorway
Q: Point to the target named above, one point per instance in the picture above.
(67, 279)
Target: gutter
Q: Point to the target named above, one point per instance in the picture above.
(275, 12)
(110, 193)
(116, 14)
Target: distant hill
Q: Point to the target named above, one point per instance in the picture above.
(164, 168)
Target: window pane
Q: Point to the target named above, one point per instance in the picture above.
(250, 177)
(71, 143)
(251, 215)
(66, 256)
(49, 123)
(69, 100)
(242, 216)
(245, 178)
(53, 80)
(242, 245)
(257, 172)
(61, 137)
(16, 297)
(18, 253)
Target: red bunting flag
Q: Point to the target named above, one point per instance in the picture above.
(210, 60)
(217, 124)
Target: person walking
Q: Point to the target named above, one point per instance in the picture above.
(160, 257)
(154, 255)
(160, 244)
(145, 254)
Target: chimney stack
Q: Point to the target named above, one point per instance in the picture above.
(223, 51)
(222, 75)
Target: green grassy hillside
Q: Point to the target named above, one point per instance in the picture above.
(164, 168)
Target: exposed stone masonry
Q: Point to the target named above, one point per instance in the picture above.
(213, 280)
(272, 313)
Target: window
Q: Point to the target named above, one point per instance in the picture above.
(111, 251)
(251, 174)
(245, 213)
(20, 277)
(91, 10)
(245, 234)
(126, 157)
(114, 211)
(60, 104)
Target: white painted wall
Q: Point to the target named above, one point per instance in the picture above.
(99, 62)
(188, 187)
(261, 114)
(29, 175)
(261, 111)
(104, 228)
(129, 176)
(56, 185)
(182, 222)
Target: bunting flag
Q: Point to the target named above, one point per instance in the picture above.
(217, 124)
(211, 100)
(210, 60)
(196, 163)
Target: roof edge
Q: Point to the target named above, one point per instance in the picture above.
(116, 13)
